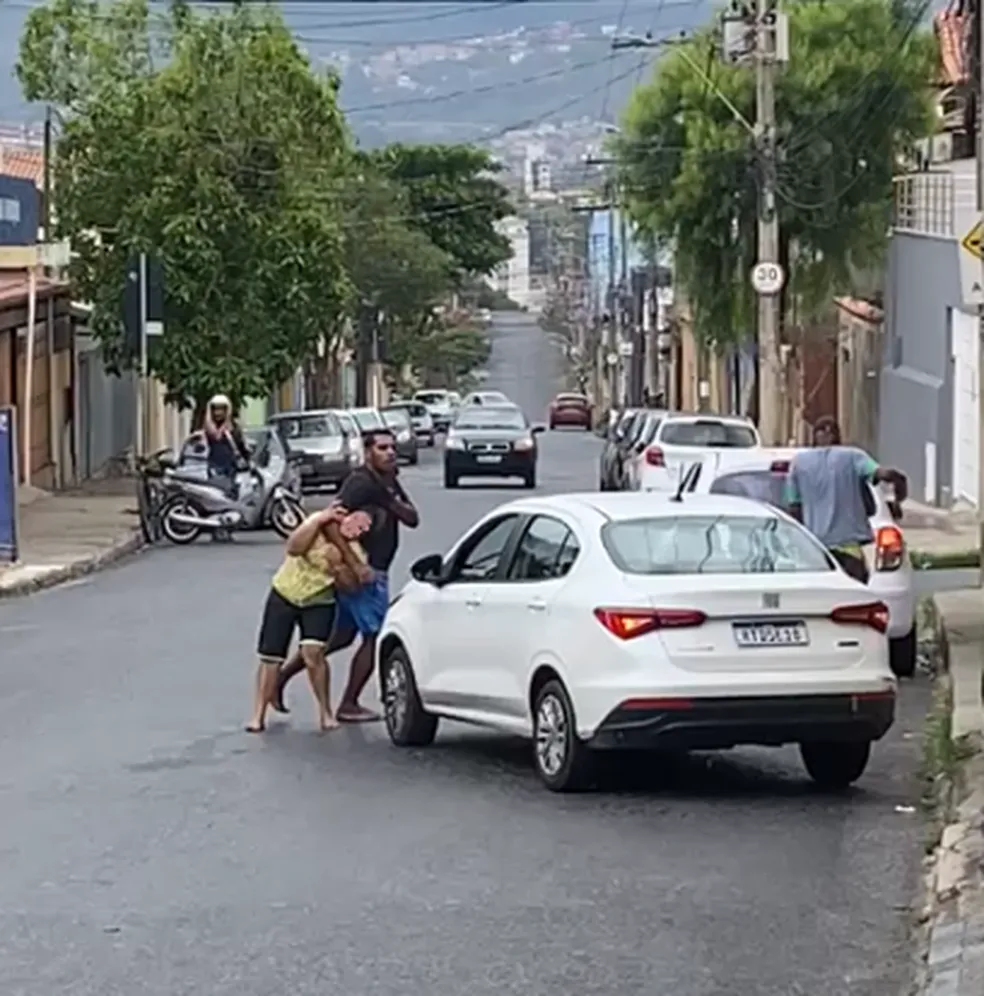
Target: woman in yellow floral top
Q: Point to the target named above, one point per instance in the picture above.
(321, 555)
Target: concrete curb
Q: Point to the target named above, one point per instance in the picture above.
(953, 914)
(79, 568)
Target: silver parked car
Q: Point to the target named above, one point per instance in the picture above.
(423, 423)
(321, 449)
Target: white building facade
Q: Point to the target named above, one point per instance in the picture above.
(513, 276)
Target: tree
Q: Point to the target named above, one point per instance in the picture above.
(853, 96)
(207, 140)
(454, 199)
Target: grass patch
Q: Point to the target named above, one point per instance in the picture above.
(953, 561)
(942, 761)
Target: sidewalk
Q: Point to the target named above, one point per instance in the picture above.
(955, 962)
(63, 536)
(937, 532)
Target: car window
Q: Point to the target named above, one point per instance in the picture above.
(368, 420)
(721, 544)
(481, 553)
(708, 432)
(435, 398)
(396, 417)
(259, 441)
(538, 554)
(649, 433)
(491, 418)
(762, 485)
(307, 426)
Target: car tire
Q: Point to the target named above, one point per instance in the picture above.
(529, 480)
(413, 459)
(450, 479)
(563, 762)
(407, 724)
(836, 766)
(552, 426)
(903, 654)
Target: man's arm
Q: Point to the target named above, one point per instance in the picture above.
(302, 538)
(404, 509)
(361, 570)
(239, 440)
(869, 470)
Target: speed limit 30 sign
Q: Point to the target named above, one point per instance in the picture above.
(767, 278)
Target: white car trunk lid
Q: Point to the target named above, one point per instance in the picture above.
(753, 624)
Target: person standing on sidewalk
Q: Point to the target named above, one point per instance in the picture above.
(826, 491)
(371, 488)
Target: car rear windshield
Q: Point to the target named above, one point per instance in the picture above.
(308, 427)
(708, 432)
(416, 410)
(434, 398)
(571, 399)
(368, 420)
(491, 418)
(397, 417)
(722, 544)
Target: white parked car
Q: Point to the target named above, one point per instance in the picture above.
(761, 474)
(494, 398)
(622, 620)
(441, 404)
(681, 440)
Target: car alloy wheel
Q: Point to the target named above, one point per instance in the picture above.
(551, 735)
(407, 724)
(563, 762)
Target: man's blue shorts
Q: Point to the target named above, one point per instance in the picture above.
(364, 610)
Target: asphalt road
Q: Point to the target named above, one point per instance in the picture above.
(148, 845)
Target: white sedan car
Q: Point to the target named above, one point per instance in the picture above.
(681, 439)
(761, 474)
(622, 620)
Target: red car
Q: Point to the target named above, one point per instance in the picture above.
(570, 409)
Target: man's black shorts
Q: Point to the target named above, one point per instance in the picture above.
(281, 618)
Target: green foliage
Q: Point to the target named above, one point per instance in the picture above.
(853, 96)
(454, 199)
(214, 160)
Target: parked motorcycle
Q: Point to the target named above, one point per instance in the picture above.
(196, 505)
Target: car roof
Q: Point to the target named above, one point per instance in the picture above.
(302, 413)
(619, 506)
(709, 417)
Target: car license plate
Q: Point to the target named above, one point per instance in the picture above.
(789, 633)
(489, 459)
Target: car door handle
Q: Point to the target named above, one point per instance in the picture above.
(473, 602)
(536, 605)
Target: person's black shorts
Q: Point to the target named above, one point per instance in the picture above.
(856, 567)
(281, 618)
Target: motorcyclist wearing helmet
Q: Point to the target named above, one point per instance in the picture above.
(226, 445)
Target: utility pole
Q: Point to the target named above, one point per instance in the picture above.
(624, 327)
(614, 331)
(769, 304)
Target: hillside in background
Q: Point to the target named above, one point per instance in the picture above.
(455, 71)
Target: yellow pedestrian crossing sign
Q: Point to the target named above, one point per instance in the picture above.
(973, 241)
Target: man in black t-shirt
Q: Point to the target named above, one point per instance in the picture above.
(372, 488)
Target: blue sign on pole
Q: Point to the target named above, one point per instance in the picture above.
(8, 485)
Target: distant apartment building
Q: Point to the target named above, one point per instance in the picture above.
(538, 179)
(513, 276)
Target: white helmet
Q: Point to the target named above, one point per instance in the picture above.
(219, 401)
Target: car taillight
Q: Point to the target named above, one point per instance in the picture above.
(889, 548)
(873, 614)
(654, 457)
(628, 623)
(780, 467)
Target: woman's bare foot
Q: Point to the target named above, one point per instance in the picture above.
(256, 726)
(329, 723)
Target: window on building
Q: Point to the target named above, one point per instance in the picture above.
(10, 210)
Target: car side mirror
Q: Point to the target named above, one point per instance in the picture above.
(428, 569)
(537, 429)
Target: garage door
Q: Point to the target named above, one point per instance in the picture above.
(965, 410)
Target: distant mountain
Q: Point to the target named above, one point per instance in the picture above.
(456, 71)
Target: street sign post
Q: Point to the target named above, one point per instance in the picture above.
(8, 485)
(767, 279)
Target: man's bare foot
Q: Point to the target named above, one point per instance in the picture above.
(256, 726)
(357, 714)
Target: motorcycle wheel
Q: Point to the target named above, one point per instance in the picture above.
(286, 514)
(178, 532)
